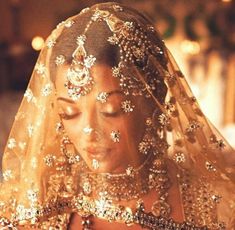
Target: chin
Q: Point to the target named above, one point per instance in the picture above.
(105, 167)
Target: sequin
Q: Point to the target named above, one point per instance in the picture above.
(49, 160)
(127, 106)
(144, 147)
(40, 69)
(99, 15)
(161, 208)
(29, 96)
(170, 107)
(151, 28)
(34, 162)
(95, 164)
(216, 198)
(149, 121)
(130, 171)
(129, 25)
(115, 136)
(87, 187)
(59, 60)
(69, 23)
(164, 119)
(74, 159)
(30, 129)
(102, 97)
(32, 195)
(51, 42)
(89, 61)
(117, 8)
(193, 126)
(81, 40)
(138, 53)
(7, 175)
(60, 24)
(220, 144)
(179, 157)
(113, 40)
(84, 10)
(59, 127)
(11, 143)
(46, 90)
(116, 71)
(210, 167)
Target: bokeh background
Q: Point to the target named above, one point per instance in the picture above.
(199, 33)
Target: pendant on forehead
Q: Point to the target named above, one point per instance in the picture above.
(79, 81)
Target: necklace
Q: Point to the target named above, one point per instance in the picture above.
(132, 185)
(118, 187)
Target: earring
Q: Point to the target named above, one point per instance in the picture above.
(151, 139)
(148, 142)
(67, 148)
(160, 124)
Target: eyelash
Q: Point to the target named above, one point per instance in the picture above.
(68, 117)
(106, 114)
(114, 114)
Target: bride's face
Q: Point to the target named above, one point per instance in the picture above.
(101, 130)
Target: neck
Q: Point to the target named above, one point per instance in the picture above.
(126, 186)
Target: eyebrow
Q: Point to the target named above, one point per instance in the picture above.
(66, 100)
(73, 102)
(115, 92)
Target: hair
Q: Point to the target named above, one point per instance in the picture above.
(97, 45)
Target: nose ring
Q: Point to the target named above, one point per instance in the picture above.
(88, 130)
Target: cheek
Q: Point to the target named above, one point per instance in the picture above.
(130, 126)
(132, 129)
(72, 129)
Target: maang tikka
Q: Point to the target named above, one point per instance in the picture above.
(79, 81)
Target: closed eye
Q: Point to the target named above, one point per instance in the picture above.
(65, 116)
(112, 114)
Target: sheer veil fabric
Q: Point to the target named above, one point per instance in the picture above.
(146, 125)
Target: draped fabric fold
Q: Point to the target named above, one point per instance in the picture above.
(108, 125)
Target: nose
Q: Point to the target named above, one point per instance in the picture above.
(90, 129)
(91, 133)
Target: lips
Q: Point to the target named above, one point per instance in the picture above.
(96, 152)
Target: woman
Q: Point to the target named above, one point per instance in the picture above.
(109, 136)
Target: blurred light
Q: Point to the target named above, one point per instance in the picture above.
(37, 43)
(190, 47)
(226, 0)
(196, 90)
(229, 131)
(17, 49)
(15, 2)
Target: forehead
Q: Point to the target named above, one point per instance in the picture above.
(100, 74)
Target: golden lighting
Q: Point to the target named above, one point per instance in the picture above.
(226, 0)
(37, 43)
(190, 47)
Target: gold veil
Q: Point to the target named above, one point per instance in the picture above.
(44, 178)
